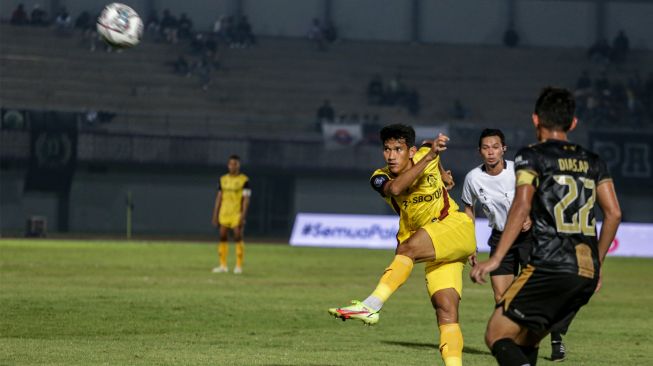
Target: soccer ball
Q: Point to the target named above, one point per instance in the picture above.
(120, 26)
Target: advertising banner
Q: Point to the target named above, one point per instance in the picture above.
(379, 232)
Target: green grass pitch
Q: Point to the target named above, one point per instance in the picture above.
(147, 303)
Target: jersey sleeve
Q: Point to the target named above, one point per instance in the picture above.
(527, 168)
(422, 151)
(378, 181)
(468, 196)
(603, 172)
(247, 191)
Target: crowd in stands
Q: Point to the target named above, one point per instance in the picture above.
(395, 93)
(603, 54)
(38, 17)
(606, 102)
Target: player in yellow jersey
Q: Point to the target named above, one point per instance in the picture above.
(230, 211)
(431, 230)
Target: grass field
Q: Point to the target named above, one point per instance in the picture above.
(145, 303)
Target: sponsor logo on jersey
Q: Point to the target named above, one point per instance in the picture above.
(378, 181)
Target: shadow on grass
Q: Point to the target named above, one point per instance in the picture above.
(416, 345)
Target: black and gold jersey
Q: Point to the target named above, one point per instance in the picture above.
(565, 176)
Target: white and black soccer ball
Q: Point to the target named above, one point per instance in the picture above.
(120, 26)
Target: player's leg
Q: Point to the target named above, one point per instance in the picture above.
(444, 284)
(417, 246)
(223, 250)
(511, 344)
(240, 248)
(454, 241)
(502, 277)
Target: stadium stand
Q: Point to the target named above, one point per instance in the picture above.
(276, 86)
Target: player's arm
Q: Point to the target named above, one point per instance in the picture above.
(216, 209)
(447, 177)
(469, 197)
(395, 186)
(469, 211)
(247, 193)
(607, 199)
(519, 211)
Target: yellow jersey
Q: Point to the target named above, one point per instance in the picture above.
(425, 201)
(233, 187)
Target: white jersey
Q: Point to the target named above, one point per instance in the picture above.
(495, 193)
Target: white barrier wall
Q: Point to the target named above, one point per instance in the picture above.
(378, 232)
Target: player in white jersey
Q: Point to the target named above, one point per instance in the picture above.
(492, 185)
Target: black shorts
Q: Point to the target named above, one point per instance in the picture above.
(544, 299)
(517, 256)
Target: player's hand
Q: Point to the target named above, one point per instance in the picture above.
(447, 178)
(242, 221)
(215, 222)
(439, 145)
(527, 224)
(481, 269)
(472, 259)
(600, 283)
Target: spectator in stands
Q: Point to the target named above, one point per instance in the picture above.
(169, 27)
(38, 17)
(219, 28)
(375, 90)
(63, 23)
(230, 31)
(620, 47)
(511, 38)
(19, 16)
(185, 26)
(244, 35)
(316, 36)
(599, 53)
(153, 26)
(330, 32)
(325, 113)
(85, 24)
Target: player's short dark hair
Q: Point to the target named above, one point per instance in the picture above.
(491, 132)
(398, 131)
(555, 108)
(234, 157)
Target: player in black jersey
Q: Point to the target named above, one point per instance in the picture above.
(558, 183)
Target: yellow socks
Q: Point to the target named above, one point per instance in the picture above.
(393, 277)
(223, 251)
(240, 251)
(451, 344)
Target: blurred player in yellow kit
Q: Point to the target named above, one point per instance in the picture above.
(431, 230)
(230, 211)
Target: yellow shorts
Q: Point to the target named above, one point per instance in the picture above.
(454, 241)
(230, 221)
